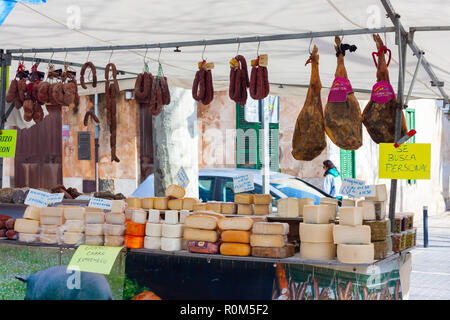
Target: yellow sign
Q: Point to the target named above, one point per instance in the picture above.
(408, 161)
(97, 259)
(8, 140)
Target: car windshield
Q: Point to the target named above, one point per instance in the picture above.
(295, 188)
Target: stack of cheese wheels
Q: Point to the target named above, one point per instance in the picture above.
(235, 234)
(94, 226)
(135, 222)
(269, 239)
(262, 204)
(228, 208)
(354, 248)
(28, 227)
(244, 203)
(134, 202)
(172, 232)
(333, 203)
(114, 228)
(316, 233)
(200, 232)
(292, 207)
(51, 219)
(200, 206)
(214, 206)
(153, 230)
(380, 236)
(374, 208)
(73, 227)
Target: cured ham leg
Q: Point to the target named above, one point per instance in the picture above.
(343, 121)
(379, 118)
(309, 135)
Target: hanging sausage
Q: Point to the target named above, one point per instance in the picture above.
(202, 88)
(94, 74)
(343, 121)
(239, 81)
(259, 78)
(308, 140)
(379, 114)
(111, 92)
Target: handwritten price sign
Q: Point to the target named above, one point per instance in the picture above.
(97, 259)
(243, 183)
(356, 188)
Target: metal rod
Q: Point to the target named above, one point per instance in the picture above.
(430, 28)
(276, 37)
(73, 64)
(4, 65)
(425, 226)
(413, 80)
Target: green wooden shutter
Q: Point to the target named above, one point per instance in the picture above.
(347, 158)
(410, 117)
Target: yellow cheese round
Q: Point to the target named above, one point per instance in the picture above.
(317, 251)
(134, 202)
(315, 233)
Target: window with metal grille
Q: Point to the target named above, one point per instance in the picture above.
(410, 117)
(347, 158)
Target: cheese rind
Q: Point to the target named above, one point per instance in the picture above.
(209, 213)
(188, 203)
(50, 229)
(49, 238)
(373, 209)
(154, 216)
(172, 230)
(94, 240)
(199, 207)
(93, 229)
(288, 207)
(201, 222)
(118, 206)
(32, 213)
(334, 206)
(26, 226)
(161, 203)
(133, 242)
(200, 235)
(134, 202)
(316, 214)
(267, 240)
(52, 211)
(245, 209)
(238, 223)
(28, 237)
(153, 229)
(317, 251)
(270, 228)
(115, 218)
(152, 243)
(235, 249)
(148, 203)
(114, 229)
(351, 216)
(316, 233)
(229, 208)
(262, 209)
(171, 217)
(348, 203)
(73, 226)
(343, 234)
(95, 218)
(238, 236)
(243, 198)
(74, 213)
(262, 199)
(139, 216)
(171, 244)
(302, 203)
(355, 253)
(277, 253)
(51, 220)
(135, 229)
(175, 191)
(73, 238)
(175, 204)
(214, 206)
(114, 241)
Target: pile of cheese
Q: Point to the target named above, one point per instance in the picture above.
(244, 204)
(201, 232)
(292, 207)
(28, 228)
(235, 234)
(269, 239)
(316, 233)
(167, 234)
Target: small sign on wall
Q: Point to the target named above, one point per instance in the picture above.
(84, 145)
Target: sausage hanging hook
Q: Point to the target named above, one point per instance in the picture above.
(89, 53)
(257, 50)
(239, 45)
(112, 51)
(145, 55)
(159, 56)
(310, 42)
(204, 48)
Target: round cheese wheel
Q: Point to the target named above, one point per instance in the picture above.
(28, 237)
(114, 241)
(50, 229)
(73, 238)
(152, 243)
(49, 238)
(94, 240)
(134, 242)
(135, 229)
(73, 226)
(134, 202)
(172, 230)
(235, 249)
(316, 233)
(153, 229)
(148, 203)
(114, 230)
(93, 229)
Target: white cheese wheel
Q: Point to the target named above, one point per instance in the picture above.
(118, 206)
(139, 216)
(368, 209)
(183, 215)
(52, 211)
(94, 229)
(152, 243)
(114, 229)
(235, 223)
(171, 244)
(304, 202)
(348, 203)
(95, 218)
(73, 238)
(73, 226)
(316, 232)
(50, 229)
(355, 253)
(114, 241)
(49, 238)
(28, 237)
(172, 230)
(74, 213)
(154, 216)
(316, 214)
(51, 219)
(288, 207)
(115, 218)
(32, 213)
(270, 228)
(94, 240)
(26, 226)
(268, 240)
(153, 229)
(351, 216)
(317, 251)
(148, 203)
(171, 217)
(201, 222)
(343, 234)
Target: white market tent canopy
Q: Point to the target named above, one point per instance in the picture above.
(65, 24)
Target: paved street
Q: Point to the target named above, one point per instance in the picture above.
(430, 277)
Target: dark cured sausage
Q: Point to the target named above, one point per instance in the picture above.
(259, 81)
(94, 74)
(239, 81)
(111, 92)
(143, 87)
(202, 88)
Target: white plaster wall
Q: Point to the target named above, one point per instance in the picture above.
(125, 186)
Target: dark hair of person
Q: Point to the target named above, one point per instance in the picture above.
(329, 165)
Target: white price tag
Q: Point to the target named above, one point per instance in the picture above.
(37, 198)
(182, 177)
(356, 188)
(243, 183)
(100, 203)
(55, 198)
(83, 197)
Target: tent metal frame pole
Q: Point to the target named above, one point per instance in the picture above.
(4, 62)
(413, 80)
(293, 36)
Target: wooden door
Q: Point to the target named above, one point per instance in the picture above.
(146, 142)
(38, 161)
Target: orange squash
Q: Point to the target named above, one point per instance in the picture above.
(135, 229)
(133, 242)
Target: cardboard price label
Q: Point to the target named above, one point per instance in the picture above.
(182, 178)
(97, 259)
(356, 188)
(8, 139)
(243, 183)
(42, 199)
(99, 203)
(408, 161)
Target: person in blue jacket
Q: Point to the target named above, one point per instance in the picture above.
(332, 182)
